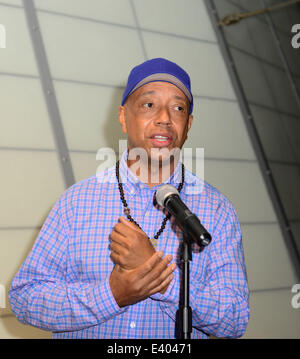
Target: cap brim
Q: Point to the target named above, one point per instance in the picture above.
(163, 77)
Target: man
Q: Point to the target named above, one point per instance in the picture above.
(106, 263)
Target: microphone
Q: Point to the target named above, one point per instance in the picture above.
(167, 196)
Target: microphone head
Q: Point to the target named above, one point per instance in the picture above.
(164, 192)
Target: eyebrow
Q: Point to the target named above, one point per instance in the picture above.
(154, 92)
(147, 93)
(180, 98)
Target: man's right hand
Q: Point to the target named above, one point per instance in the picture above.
(132, 286)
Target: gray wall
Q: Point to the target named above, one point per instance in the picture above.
(269, 92)
(273, 104)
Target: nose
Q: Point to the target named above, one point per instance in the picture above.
(163, 117)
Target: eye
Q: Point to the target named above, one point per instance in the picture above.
(179, 108)
(148, 104)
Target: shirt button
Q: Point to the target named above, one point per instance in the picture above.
(132, 191)
(132, 325)
(147, 214)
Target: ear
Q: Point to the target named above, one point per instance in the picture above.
(190, 121)
(122, 118)
(189, 124)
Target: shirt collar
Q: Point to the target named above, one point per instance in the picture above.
(133, 184)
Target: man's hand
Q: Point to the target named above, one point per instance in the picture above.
(130, 245)
(132, 286)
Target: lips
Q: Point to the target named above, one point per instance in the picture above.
(161, 139)
(161, 136)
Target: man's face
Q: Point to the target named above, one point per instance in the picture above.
(156, 116)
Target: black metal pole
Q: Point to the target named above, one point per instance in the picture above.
(185, 311)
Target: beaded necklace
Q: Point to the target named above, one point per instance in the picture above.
(126, 209)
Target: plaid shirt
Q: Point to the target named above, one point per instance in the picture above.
(63, 285)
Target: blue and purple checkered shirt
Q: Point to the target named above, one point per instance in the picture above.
(63, 285)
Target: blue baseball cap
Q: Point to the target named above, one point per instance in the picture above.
(158, 69)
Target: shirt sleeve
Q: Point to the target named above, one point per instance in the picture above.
(220, 303)
(41, 296)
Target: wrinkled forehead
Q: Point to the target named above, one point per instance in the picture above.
(157, 88)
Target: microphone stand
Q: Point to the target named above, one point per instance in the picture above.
(185, 311)
(193, 232)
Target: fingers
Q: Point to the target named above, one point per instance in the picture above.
(126, 229)
(118, 248)
(118, 238)
(134, 285)
(129, 224)
(161, 273)
(163, 285)
(156, 270)
(115, 257)
(147, 267)
(122, 229)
